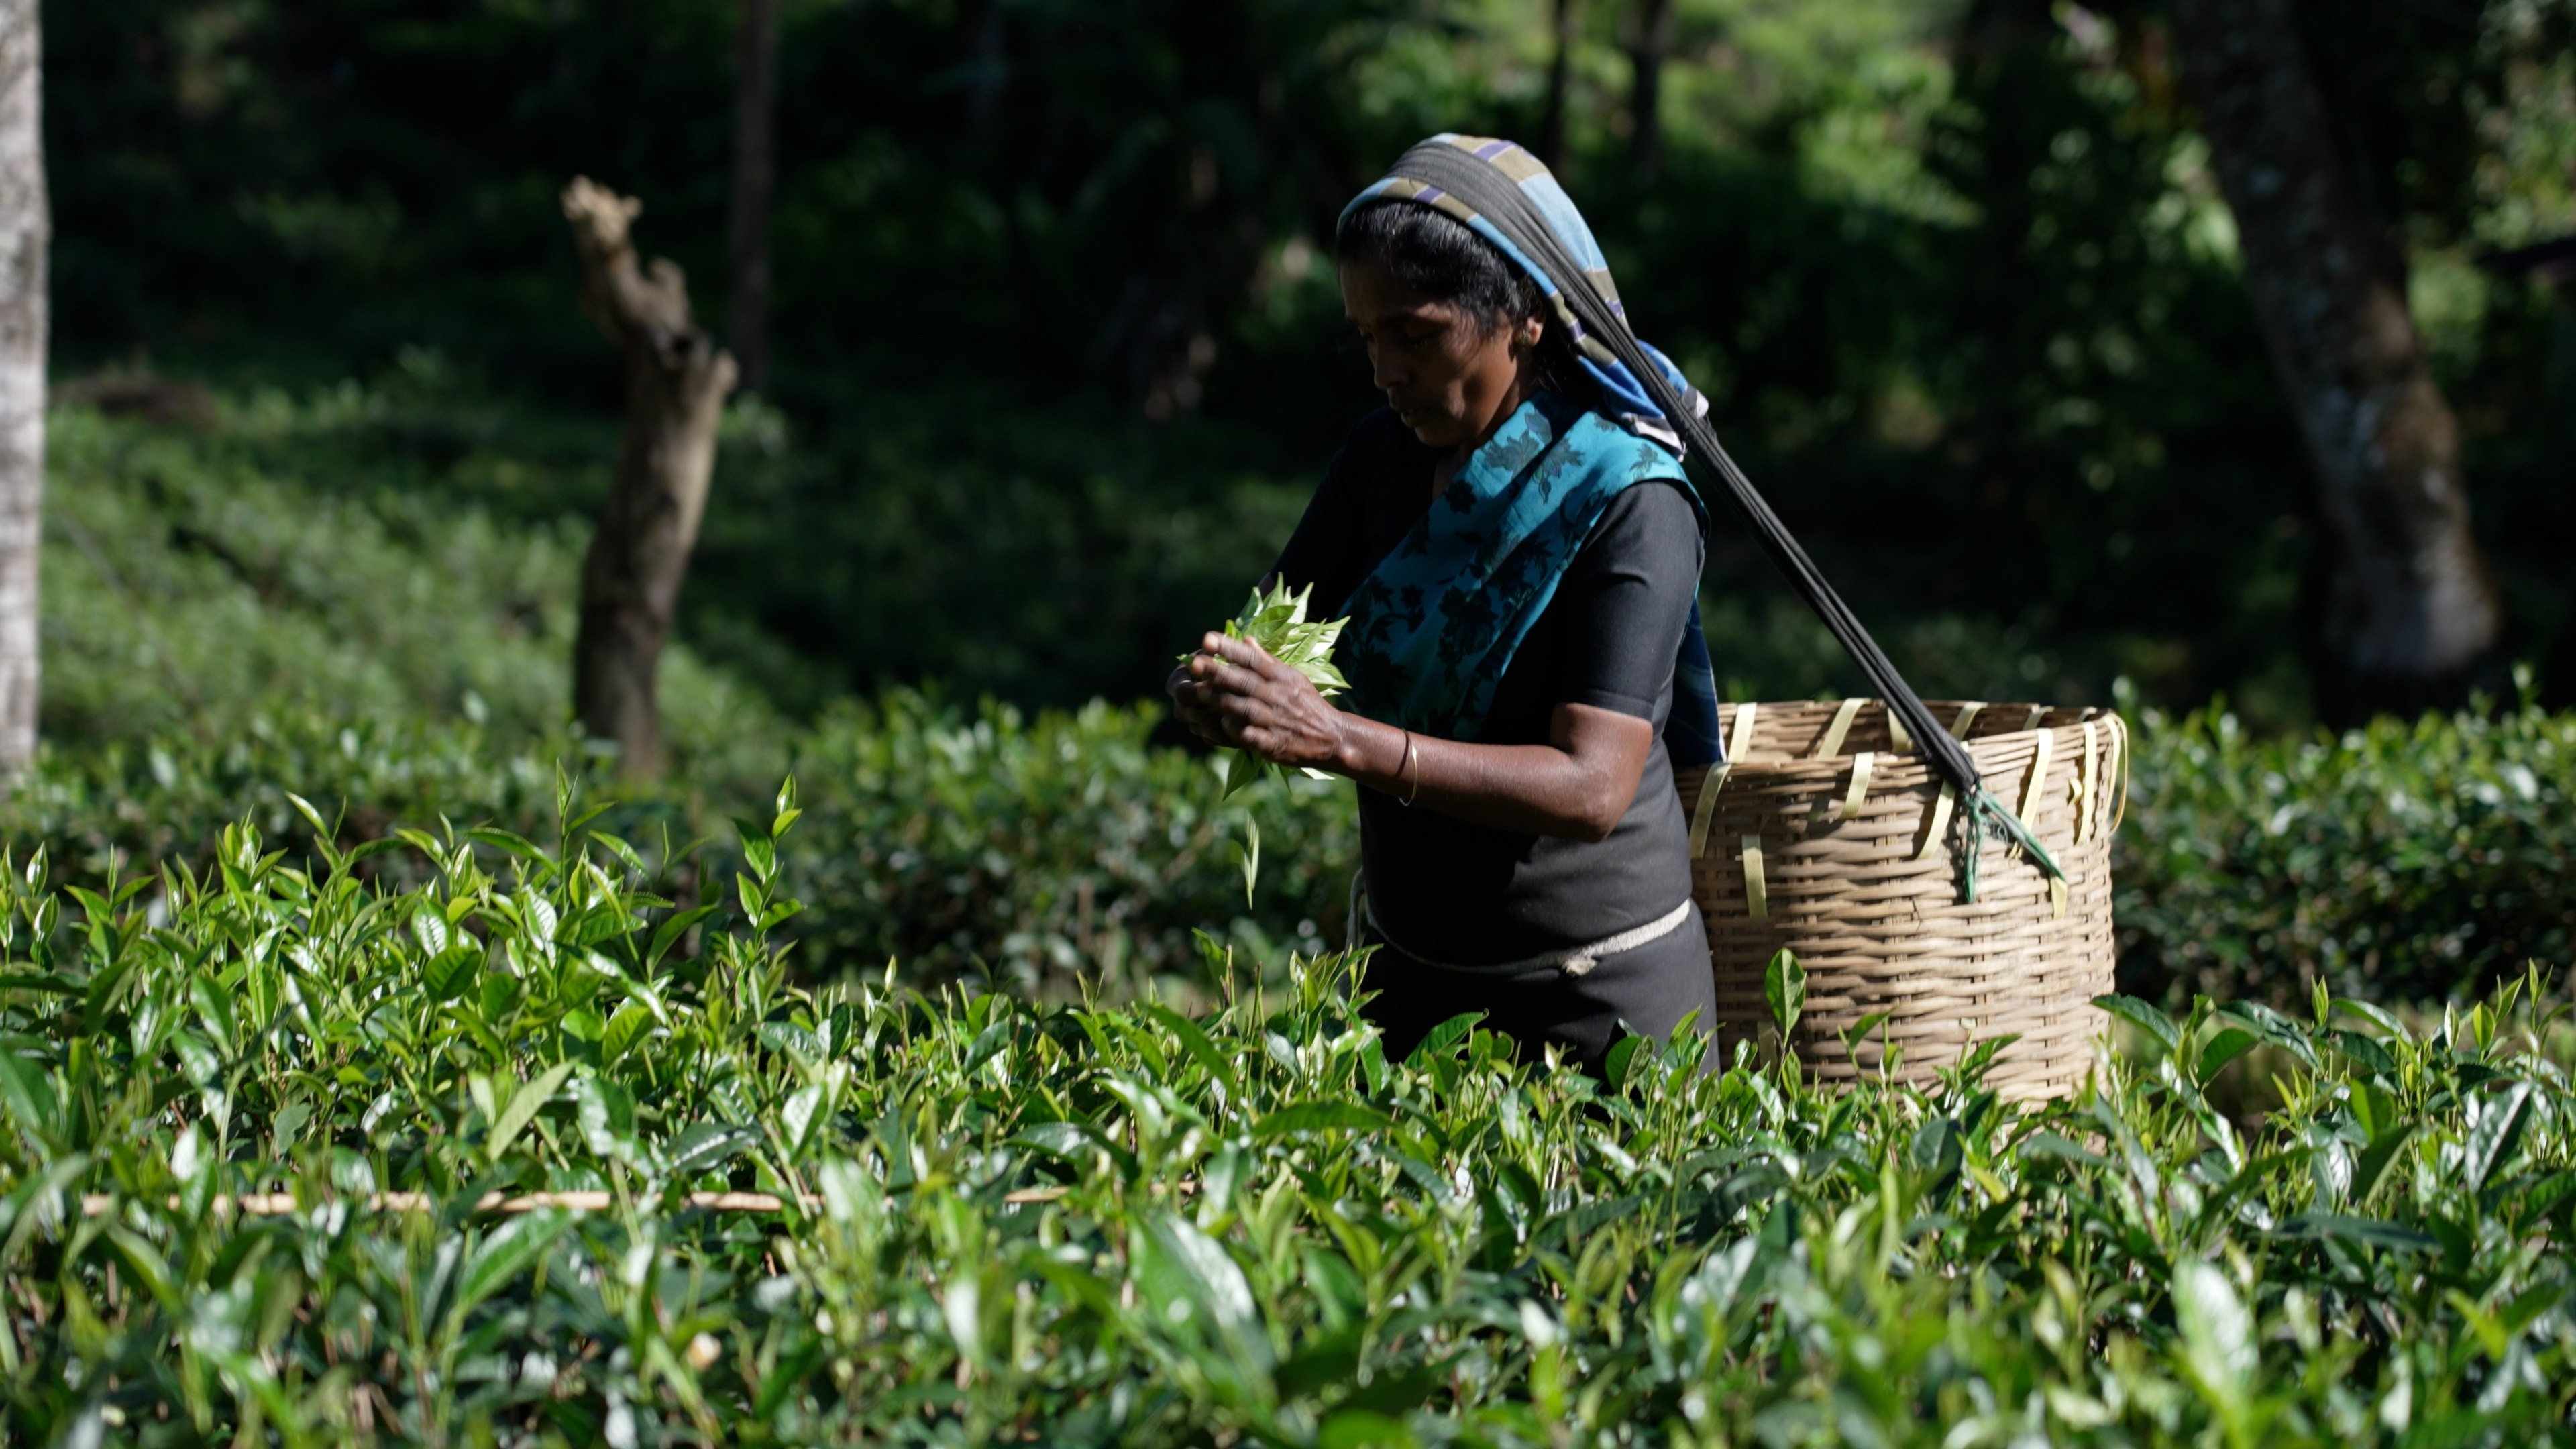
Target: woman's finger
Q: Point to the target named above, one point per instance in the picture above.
(1248, 654)
(1190, 697)
(1228, 656)
(1220, 679)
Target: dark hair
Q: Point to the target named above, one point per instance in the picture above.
(1437, 255)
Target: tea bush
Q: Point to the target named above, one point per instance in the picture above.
(364, 594)
(1003, 1221)
(2408, 860)
(1065, 852)
(1043, 853)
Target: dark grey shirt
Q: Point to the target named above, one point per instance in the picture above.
(1467, 894)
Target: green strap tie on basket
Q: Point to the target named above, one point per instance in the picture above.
(1986, 816)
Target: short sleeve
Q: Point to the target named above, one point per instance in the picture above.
(1627, 597)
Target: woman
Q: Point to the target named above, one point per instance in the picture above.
(1519, 553)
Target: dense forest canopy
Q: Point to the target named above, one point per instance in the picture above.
(1057, 346)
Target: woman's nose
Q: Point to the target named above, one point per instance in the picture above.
(1383, 369)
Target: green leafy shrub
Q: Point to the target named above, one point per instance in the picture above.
(1056, 852)
(1064, 852)
(1050, 854)
(1001, 1221)
(360, 596)
(2406, 860)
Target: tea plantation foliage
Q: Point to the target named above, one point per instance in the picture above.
(1063, 851)
(2408, 860)
(1002, 1221)
(1037, 854)
(1161, 1186)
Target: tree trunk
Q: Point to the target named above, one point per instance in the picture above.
(676, 383)
(1646, 93)
(1550, 143)
(755, 179)
(2408, 616)
(23, 240)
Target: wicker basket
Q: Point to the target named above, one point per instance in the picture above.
(1825, 834)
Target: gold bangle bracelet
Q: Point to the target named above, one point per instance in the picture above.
(1413, 766)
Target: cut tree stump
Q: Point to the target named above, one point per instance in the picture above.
(676, 384)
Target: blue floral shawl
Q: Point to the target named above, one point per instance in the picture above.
(1435, 625)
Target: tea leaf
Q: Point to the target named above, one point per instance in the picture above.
(1277, 623)
(450, 973)
(1784, 987)
(2496, 1123)
(523, 1109)
(506, 1252)
(2158, 1026)
(2218, 1345)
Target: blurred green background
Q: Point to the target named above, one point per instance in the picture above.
(1057, 352)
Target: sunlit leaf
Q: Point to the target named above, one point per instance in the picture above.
(1784, 989)
(2159, 1027)
(1321, 1117)
(2219, 1350)
(507, 1252)
(523, 1108)
(2496, 1122)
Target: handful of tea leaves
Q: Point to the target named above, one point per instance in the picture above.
(1277, 622)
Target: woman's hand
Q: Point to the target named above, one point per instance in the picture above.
(1578, 785)
(1190, 705)
(1256, 703)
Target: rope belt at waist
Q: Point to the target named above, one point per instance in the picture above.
(1572, 960)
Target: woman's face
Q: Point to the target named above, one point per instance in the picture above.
(1451, 376)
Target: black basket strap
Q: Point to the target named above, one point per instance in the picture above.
(1497, 198)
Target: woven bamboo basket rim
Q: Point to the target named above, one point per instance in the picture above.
(1752, 731)
(1867, 721)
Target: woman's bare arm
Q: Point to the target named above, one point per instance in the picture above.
(1578, 785)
